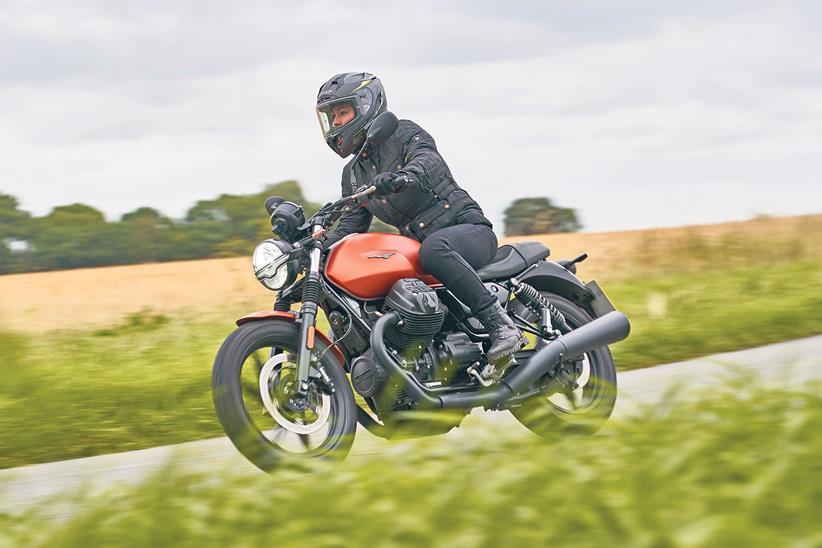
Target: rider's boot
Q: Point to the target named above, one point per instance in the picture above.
(505, 337)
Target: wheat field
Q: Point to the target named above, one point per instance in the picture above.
(95, 297)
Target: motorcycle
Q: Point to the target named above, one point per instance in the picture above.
(403, 356)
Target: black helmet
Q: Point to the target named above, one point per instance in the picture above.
(355, 99)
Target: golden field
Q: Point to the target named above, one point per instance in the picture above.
(226, 287)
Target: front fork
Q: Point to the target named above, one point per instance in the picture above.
(308, 319)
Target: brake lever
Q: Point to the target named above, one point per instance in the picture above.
(362, 192)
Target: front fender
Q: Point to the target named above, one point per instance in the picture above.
(265, 314)
(290, 317)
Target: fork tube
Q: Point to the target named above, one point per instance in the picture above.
(308, 315)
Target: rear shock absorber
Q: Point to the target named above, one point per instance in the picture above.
(548, 313)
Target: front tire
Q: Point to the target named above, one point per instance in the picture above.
(250, 387)
(560, 407)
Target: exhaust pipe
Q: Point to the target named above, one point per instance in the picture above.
(608, 329)
(413, 388)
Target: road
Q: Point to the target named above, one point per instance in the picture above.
(788, 364)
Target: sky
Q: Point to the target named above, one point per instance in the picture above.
(637, 114)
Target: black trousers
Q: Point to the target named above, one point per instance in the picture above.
(453, 253)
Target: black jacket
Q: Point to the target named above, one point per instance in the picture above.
(429, 201)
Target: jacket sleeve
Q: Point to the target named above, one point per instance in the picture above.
(358, 219)
(421, 161)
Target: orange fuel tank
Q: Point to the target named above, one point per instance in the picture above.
(367, 265)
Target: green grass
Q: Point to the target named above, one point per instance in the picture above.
(147, 382)
(681, 316)
(737, 468)
(79, 394)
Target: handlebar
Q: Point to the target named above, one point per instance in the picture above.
(314, 228)
(362, 191)
(330, 212)
(334, 208)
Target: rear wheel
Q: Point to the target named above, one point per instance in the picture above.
(581, 396)
(253, 385)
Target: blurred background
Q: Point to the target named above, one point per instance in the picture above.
(677, 143)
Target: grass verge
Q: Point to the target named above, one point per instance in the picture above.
(736, 468)
(682, 316)
(147, 382)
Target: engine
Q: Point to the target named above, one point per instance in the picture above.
(422, 316)
(434, 358)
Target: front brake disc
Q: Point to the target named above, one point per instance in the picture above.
(272, 371)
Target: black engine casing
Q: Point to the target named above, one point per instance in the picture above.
(367, 376)
(421, 313)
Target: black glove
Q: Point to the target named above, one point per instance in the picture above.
(389, 183)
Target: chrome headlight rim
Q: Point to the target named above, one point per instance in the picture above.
(273, 267)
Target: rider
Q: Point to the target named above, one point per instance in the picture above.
(417, 194)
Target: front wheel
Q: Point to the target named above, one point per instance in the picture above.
(253, 386)
(581, 396)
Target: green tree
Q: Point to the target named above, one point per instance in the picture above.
(146, 232)
(146, 216)
(15, 225)
(14, 222)
(233, 224)
(76, 235)
(539, 216)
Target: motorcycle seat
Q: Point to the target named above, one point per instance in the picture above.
(512, 259)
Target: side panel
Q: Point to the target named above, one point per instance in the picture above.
(366, 265)
(289, 316)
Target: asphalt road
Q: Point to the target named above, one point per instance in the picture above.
(787, 364)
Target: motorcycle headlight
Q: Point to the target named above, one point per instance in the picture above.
(271, 264)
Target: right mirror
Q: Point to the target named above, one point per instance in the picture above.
(382, 127)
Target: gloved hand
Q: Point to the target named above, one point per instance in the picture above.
(389, 183)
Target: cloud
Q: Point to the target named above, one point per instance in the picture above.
(637, 113)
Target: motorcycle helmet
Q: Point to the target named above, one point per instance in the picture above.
(346, 106)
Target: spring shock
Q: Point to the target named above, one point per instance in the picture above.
(532, 298)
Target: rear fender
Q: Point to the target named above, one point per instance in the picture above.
(290, 317)
(552, 277)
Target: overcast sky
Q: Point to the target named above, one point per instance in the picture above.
(638, 114)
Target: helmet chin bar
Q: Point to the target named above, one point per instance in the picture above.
(346, 151)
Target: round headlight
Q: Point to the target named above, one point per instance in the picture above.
(271, 264)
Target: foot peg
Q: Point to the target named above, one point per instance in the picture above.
(492, 372)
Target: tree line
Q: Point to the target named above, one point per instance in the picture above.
(78, 235)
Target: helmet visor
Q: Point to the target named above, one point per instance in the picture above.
(335, 115)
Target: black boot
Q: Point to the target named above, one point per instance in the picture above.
(505, 337)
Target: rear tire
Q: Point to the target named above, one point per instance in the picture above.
(234, 397)
(581, 411)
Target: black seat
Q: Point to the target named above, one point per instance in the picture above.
(512, 259)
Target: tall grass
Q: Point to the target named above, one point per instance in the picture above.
(739, 467)
(681, 316)
(631, 254)
(79, 394)
(764, 240)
